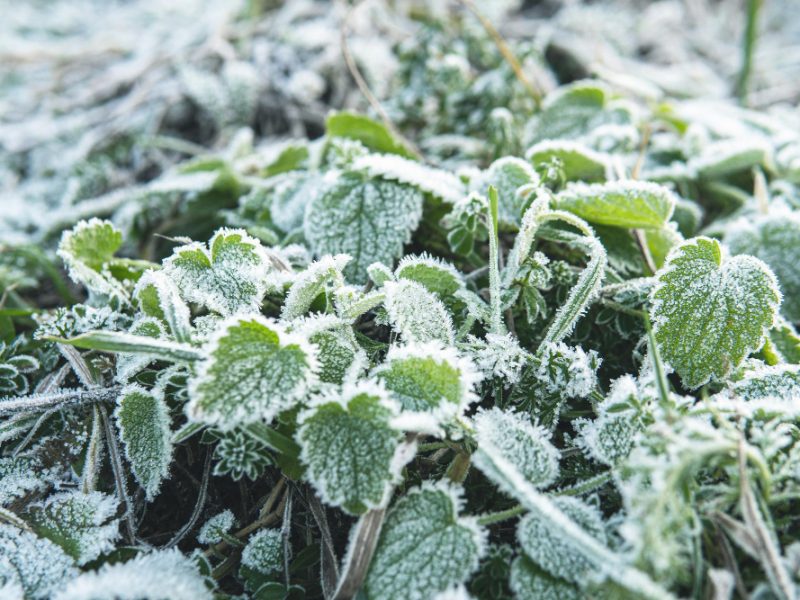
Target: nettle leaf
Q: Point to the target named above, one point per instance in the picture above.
(436, 182)
(436, 275)
(371, 133)
(368, 218)
(227, 277)
(569, 112)
(37, 565)
(86, 250)
(290, 193)
(631, 204)
(429, 379)
(253, 370)
(216, 527)
(129, 365)
(556, 554)
(579, 162)
(264, 552)
(425, 546)
(82, 524)
(338, 354)
(512, 436)
(725, 157)
(311, 283)
(417, 314)
(144, 427)
(778, 381)
(145, 576)
(507, 175)
(158, 297)
(529, 582)
(349, 446)
(775, 239)
(709, 312)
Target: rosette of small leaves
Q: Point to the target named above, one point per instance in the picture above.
(15, 367)
(239, 455)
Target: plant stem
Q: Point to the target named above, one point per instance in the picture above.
(503, 515)
(748, 48)
(494, 264)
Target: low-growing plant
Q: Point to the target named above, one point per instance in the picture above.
(559, 362)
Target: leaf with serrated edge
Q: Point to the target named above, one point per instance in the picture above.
(144, 428)
(349, 446)
(425, 546)
(417, 314)
(86, 249)
(524, 445)
(709, 312)
(436, 275)
(158, 297)
(369, 219)
(430, 379)
(631, 204)
(311, 283)
(253, 370)
(228, 277)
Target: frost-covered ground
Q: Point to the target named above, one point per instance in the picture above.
(428, 300)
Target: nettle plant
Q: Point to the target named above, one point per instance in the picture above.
(572, 373)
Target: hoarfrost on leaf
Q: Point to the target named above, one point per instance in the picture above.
(529, 582)
(709, 311)
(525, 446)
(39, 566)
(158, 297)
(369, 219)
(500, 356)
(311, 283)
(253, 370)
(349, 446)
(212, 530)
(425, 546)
(144, 428)
(436, 275)
(86, 250)
(229, 277)
(417, 314)
(436, 182)
(508, 175)
(264, 552)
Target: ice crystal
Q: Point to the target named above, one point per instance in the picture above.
(500, 356)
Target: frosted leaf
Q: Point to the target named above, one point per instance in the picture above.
(779, 381)
(129, 365)
(500, 356)
(86, 250)
(786, 341)
(253, 370)
(290, 194)
(311, 283)
(610, 437)
(369, 219)
(212, 530)
(525, 446)
(38, 565)
(425, 546)
(709, 311)
(725, 157)
(569, 372)
(417, 314)
(569, 112)
(631, 204)
(339, 356)
(371, 133)
(436, 275)
(114, 341)
(775, 239)
(145, 576)
(507, 175)
(82, 524)
(436, 182)
(20, 475)
(661, 241)
(454, 593)
(555, 554)
(144, 428)
(379, 274)
(529, 582)
(430, 379)
(349, 445)
(264, 552)
(240, 455)
(158, 297)
(579, 162)
(227, 277)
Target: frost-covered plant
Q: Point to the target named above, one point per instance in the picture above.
(495, 343)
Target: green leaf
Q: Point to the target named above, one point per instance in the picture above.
(529, 582)
(726, 157)
(559, 556)
(525, 446)
(417, 314)
(371, 133)
(570, 112)
(37, 565)
(144, 428)
(436, 275)
(709, 312)
(779, 381)
(349, 447)
(264, 552)
(631, 204)
(429, 180)
(158, 297)
(228, 277)
(579, 162)
(430, 380)
(425, 546)
(114, 341)
(86, 251)
(339, 355)
(82, 524)
(369, 219)
(311, 283)
(253, 370)
(775, 239)
(507, 175)
(292, 157)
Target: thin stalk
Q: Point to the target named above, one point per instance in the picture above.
(494, 264)
(119, 476)
(658, 367)
(198, 507)
(748, 49)
(503, 515)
